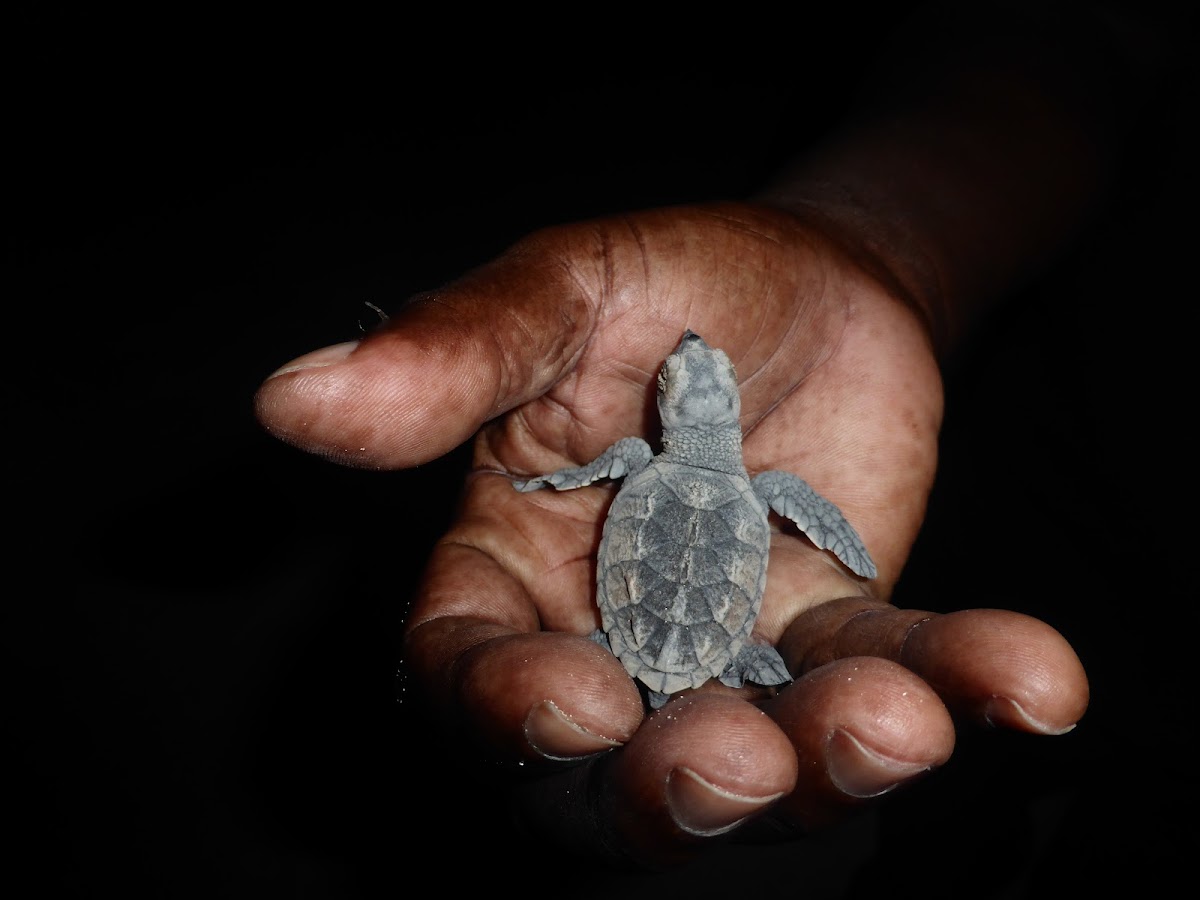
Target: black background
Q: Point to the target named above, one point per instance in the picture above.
(201, 646)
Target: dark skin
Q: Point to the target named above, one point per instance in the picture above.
(835, 293)
(838, 382)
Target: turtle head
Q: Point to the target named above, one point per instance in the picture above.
(697, 386)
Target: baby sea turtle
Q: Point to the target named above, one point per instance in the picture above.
(683, 558)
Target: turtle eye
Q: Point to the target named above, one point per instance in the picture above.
(665, 373)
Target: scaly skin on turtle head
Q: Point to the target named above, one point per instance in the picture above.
(697, 387)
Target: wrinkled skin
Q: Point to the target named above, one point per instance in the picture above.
(551, 353)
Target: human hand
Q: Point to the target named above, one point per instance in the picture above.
(551, 353)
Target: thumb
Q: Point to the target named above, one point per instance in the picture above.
(446, 363)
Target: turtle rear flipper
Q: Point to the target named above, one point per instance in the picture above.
(657, 699)
(756, 663)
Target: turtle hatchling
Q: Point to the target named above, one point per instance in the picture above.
(683, 557)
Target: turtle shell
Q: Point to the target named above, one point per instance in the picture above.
(681, 572)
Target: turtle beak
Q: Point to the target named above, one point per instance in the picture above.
(691, 341)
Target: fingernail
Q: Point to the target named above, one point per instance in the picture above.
(552, 734)
(1002, 712)
(860, 772)
(318, 359)
(703, 809)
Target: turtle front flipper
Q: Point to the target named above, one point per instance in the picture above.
(627, 456)
(756, 663)
(822, 522)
